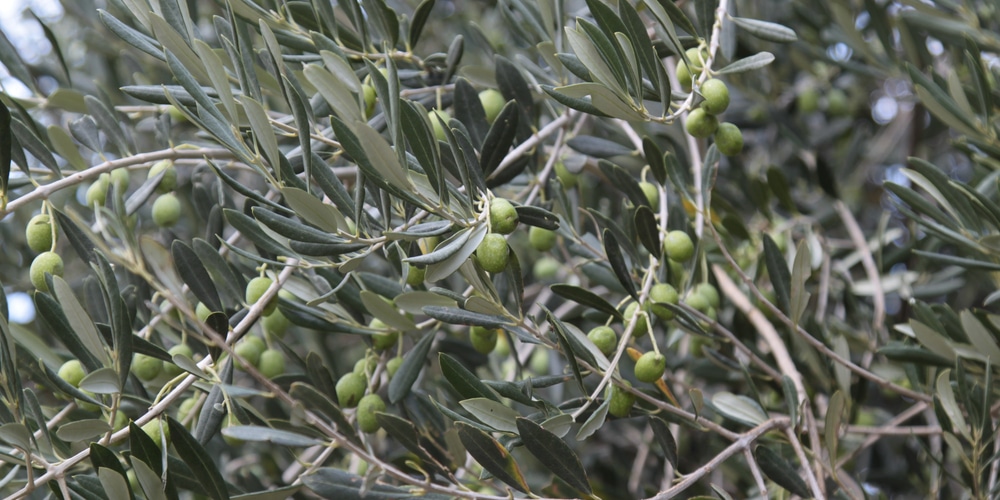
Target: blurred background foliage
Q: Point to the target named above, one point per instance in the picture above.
(836, 330)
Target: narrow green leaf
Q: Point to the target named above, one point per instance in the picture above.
(617, 262)
(554, 454)
(587, 298)
(82, 430)
(756, 61)
(193, 272)
(834, 417)
(200, 462)
(149, 481)
(263, 434)
(663, 436)
(801, 270)
(492, 413)
(79, 320)
(407, 373)
(739, 408)
(765, 30)
(456, 316)
(494, 458)
(114, 483)
(781, 471)
(777, 269)
(464, 381)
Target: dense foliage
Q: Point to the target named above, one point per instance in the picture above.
(506, 248)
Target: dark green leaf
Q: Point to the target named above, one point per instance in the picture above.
(499, 138)
(753, 62)
(268, 435)
(777, 269)
(617, 262)
(413, 362)
(554, 454)
(646, 229)
(537, 216)
(598, 147)
(456, 316)
(765, 30)
(420, 16)
(677, 16)
(6, 145)
(254, 233)
(464, 381)
(663, 436)
(200, 462)
(314, 400)
(587, 298)
(494, 458)
(781, 471)
(654, 157)
(193, 272)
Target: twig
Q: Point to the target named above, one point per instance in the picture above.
(758, 476)
(799, 452)
(868, 262)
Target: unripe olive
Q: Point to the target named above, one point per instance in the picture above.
(146, 367)
(492, 253)
(665, 294)
(231, 421)
(605, 338)
(367, 408)
(415, 275)
(641, 327)
(276, 324)
(439, 132)
(249, 349)
(157, 431)
(392, 366)
(169, 180)
(716, 96)
(121, 421)
(365, 366)
(176, 115)
(684, 76)
(541, 239)
(546, 268)
(652, 193)
(369, 95)
(38, 233)
(709, 292)
(72, 372)
(539, 362)
(808, 100)
(837, 103)
(483, 339)
(172, 370)
(350, 389)
(255, 290)
(202, 312)
(120, 180)
(184, 410)
(503, 216)
(492, 101)
(271, 363)
(650, 367)
(566, 178)
(700, 124)
(166, 210)
(45, 262)
(97, 193)
(697, 57)
(621, 401)
(383, 340)
(698, 302)
(729, 139)
(678, 246)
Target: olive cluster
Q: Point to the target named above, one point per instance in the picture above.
(703, 121)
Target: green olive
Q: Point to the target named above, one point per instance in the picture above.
(392, 366)
(146, 367)
(415, 275)
(641, 327)
(808, 100)
(684, 76)
(652, 193)
(710, 293)
(367, 408)
(350, 389)
(38, 233)
(276, 324)
(166, 210)
(157, 431)
(271, 363)
(650, 367)
(185, 409)
(663, 293)
(716, 96)
(546, 268)
(605, 338)
(383, 339)
(255, 290)
(120, 180)
(483, 339)
(45, 263)
(700, 124)
(439, 132)
(172, 370)
(249, 348)
(492, 253)
(369, 95)
(568, 179)
(678, 246)
(729, 139)
(541, 239)
(492, 101)
(72, 372)
(202, 312)
(97, 193)
(503, 216)
(621, 401)
(698, 302)
(169, 180)
(365, 366)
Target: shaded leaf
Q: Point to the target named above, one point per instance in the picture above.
(781, 471)
(554, 454)
(407, 373)
(494, 458)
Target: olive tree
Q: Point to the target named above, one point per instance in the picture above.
(496, 249)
